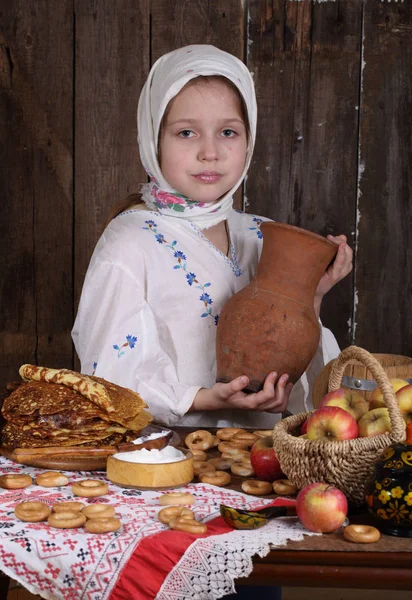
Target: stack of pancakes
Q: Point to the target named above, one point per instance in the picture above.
(58, 407)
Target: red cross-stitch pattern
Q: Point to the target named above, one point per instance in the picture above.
(69, 564)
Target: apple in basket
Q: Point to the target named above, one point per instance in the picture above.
(376, 398)
(264, 460)
(321, 507)
(331, 423)
(304, 427)
(349, 400)
(374, 422)
(404, 398)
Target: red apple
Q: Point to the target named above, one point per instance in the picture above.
(264, 460)
(331, 423)
(404, 398)
(349, 400)
(304, 427)
(321, 507)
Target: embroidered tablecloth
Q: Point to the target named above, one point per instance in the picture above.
(72, 564)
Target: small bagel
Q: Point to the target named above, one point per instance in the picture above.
(199, 455)
(176, 498)
(188, 525)
(245, 460)
(102, 525)
(263, 432)
(199, 440)
(15, 481)
(256, 487)
(52, 479)
(244, 437)
(241, 456)
(221, 464)
(90, 488)
(201, 466)
(243, 469)
(216, 441)
(361, 534)
(215, 478)
(65, 506)
(68, 519)
(226, 433)
(284, 487)
(165, 515)
(232, 448)
(32, 512)
(99, 511)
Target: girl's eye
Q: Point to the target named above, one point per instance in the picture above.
(228, 133)
(186, 133)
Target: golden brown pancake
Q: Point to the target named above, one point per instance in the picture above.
(39, 398)
(92, 390)
(126, 403)
(41, 412)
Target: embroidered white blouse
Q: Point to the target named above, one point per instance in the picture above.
(149, 309)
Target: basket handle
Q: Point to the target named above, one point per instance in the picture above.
(378, 372)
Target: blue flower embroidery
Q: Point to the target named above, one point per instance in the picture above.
(181, 264)
(191, 277)
(130, 343)
(257, 228)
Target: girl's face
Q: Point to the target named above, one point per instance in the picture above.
(203, 141)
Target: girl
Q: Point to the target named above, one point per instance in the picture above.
(162, 270)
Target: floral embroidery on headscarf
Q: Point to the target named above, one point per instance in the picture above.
(174, 201)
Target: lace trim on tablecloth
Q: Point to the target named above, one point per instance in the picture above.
(210, 565)
(71, 564)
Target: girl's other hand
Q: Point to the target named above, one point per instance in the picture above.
(272, 398)
(341, 266)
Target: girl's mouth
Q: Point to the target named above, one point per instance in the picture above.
(208, 177)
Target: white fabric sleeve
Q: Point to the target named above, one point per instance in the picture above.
(116, 336)
(300, 399)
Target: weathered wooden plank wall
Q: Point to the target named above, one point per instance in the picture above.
(384, 245)
(334, 150)
(306, 61)
(36, 179)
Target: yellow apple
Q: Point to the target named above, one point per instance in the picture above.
(347, 399)
(374, 422)
(404, 398)
(376, 398)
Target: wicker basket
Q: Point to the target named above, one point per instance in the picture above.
(346, 464)
(395, 366)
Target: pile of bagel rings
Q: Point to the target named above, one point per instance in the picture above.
(177, 516)
(96, 518)
(234, 445)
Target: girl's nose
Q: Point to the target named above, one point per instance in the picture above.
(208, 150)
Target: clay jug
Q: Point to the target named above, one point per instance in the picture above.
(271, 324)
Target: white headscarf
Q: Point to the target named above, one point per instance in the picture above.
(167, 77)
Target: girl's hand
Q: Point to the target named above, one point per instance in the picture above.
(341, 266)
(273, 398)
